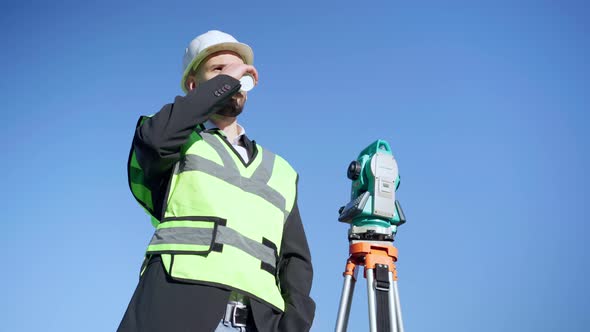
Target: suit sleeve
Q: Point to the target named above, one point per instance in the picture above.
(158, 141)
(295, 276)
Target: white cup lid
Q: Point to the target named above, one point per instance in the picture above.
(247, 83)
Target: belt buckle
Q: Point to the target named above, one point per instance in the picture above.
(234, 310)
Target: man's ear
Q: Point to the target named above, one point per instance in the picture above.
(190, 83)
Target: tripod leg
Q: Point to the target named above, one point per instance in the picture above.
(398, 308)
(392, 305)
(345, 301)
(372, 300)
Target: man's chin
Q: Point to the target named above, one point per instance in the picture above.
(230, 112)
(231, 109)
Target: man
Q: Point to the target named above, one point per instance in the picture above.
(229, 252)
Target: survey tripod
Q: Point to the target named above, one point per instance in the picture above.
(374, 215)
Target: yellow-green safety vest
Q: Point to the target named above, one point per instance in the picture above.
(223, 220)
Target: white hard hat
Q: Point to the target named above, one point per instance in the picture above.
(209, 43)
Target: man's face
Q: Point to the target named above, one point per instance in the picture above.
(211, 67)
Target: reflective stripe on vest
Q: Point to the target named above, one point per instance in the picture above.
(201, 237)
(228, 172)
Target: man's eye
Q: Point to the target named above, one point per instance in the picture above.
(217, 68)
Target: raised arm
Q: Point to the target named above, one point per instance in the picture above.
(158, 140)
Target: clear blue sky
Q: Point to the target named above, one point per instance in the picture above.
(485, 105)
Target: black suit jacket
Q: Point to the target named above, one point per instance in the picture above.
(157, 144)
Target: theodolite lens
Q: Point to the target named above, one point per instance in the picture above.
(354, 170)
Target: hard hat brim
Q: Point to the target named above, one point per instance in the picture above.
(243, 50)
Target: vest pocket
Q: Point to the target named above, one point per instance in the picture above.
(185, 235)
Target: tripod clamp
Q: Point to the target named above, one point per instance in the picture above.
(371, 255)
